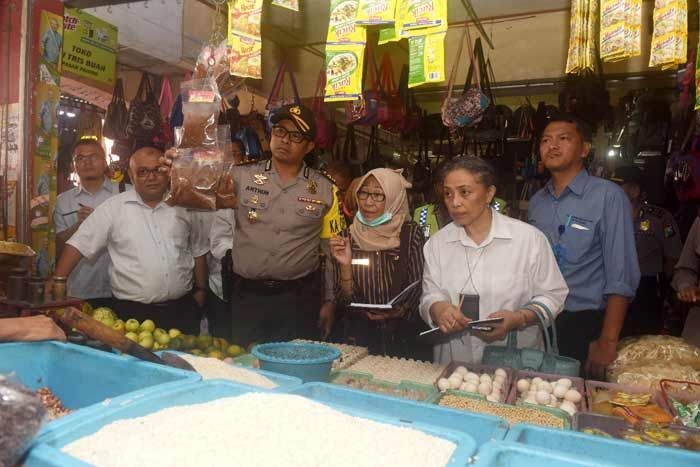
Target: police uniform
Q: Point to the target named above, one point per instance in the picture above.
(280, 276)
(657, 239)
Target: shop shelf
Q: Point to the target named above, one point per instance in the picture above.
(482, 428)
(600, 450)
(46, 452)
(84, 378)
(507, 454)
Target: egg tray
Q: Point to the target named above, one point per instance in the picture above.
(477, 368)
(349, 354)
(594, 386)
(576, 383)
(395, 370)
(367, 383)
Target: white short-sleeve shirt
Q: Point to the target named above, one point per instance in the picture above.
(152, 249)
(218, 227)
(512, 267)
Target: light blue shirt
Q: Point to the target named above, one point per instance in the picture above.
(591, 232)
(90, 278)
(51, 41)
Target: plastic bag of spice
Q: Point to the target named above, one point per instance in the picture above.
(200, 106)
(194, 178)
(21, 416)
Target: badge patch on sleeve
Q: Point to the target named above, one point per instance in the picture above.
(669, 231)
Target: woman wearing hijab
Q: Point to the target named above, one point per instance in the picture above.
(380, 259)
(486, 265)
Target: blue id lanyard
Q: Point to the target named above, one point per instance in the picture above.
(559, 249)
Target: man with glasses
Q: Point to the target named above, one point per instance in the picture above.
(90, 279)
(286, 213)
(155, 249)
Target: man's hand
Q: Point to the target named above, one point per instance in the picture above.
(326, 318)
(34, 328)
(688, 294)
(166, 162)
(601, 353)
(200, 296)
(448, 317)
(83, 213)
(511, 320)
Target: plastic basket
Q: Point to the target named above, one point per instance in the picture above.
(47, 450)
(598, 449)
(684, 392)
(481, 369)
(593, 386)
(84, 378)
(481, 427)
(507, 454)
(309, 362)
(576, 383)
(366, 382)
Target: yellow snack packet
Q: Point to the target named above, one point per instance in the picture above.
(426, 55)
(342, 26)
(344, 64)
(371, 12)
(244, 17)
(245, 56)
(417, 14)
(288, 4)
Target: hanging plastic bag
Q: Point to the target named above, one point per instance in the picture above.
(22, 414)
(194, 177)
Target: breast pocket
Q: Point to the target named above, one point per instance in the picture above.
(579, 244)
(311, 211)
(255, 201)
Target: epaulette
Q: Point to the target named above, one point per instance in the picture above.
(655, 210)
(328, 177)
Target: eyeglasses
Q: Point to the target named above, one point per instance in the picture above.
(143, 172)
(294, 136)
(376, 197)
(83, 158)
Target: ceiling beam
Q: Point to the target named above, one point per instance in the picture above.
(82, 4)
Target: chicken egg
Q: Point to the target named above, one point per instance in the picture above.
(485, 378)
(542, 397)
(472, 377)
(523, 385)
(492, 398)
(443, 384)
(573, 395)
(500, 379)
(544, 386)
(566, 382)
(536, 380)
(455, 383)
(500, 372)
(560, 391)
(470, 387)
(485, 388)
(530, 400)
(456, 375)
(461, 370)
(568, 407)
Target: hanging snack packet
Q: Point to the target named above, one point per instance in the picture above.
(417, 14)
(341, 26)
(288, 4)
(344, 64)
(376, 12)
(426, 59)
(244, 17)
(246, 56)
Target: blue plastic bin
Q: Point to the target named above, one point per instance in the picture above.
(598, 449)
(46, 452)
(310, 362)
(82, 377)
(504, 454)
(482, 428)
(284, 382)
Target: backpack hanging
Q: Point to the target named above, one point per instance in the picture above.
(144, 112)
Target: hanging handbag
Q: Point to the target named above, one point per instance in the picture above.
(393, 121)
(349, 153)
(326, 130)
(547, 361)
(365, 109)
(276, 99)
(117, 116)
(144, 112)
(468, 109)
(413, 114)
(374, 157)
(165, 102)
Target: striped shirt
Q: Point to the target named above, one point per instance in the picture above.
(373, 274)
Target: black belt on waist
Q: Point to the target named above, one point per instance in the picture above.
(273, 285)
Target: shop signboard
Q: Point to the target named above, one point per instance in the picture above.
(89, 49)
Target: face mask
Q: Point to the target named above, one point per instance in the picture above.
(383, 219)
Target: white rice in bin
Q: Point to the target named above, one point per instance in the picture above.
(258, 429)
(212, 368)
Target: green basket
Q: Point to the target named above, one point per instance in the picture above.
(378, 386)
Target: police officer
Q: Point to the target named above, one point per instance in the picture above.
(658, 248)
(286, 213)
